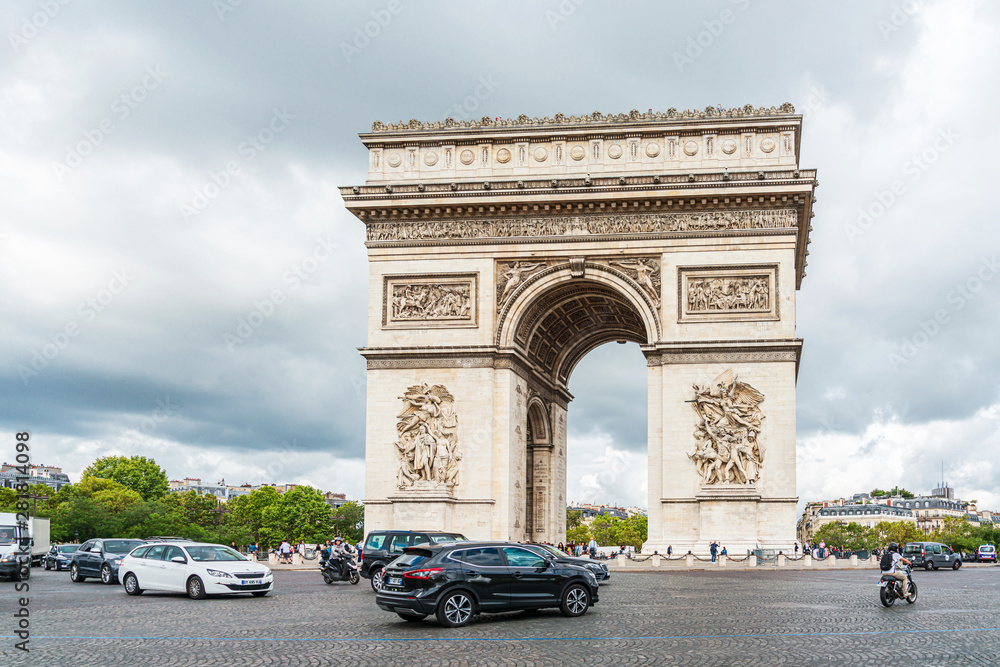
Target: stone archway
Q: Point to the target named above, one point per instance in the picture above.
(501, 253)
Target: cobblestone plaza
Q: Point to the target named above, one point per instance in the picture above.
(765, 617)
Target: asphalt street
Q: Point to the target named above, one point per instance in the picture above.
(685, 618)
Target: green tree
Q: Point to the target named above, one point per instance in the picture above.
(578, 535)
(246, 513)
(851, 536)
(899, 532)
(604, 530)
(573, 518)
(349, 521)
(137, 473)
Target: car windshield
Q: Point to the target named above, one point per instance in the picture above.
(210, 553)
(7, 534)
(120, 546)
(556, 551)
(68, 548)
(438, 539)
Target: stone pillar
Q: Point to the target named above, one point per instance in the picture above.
(656, 560)
(831, 560)
(272, 559)
(781, 560)
(621, 560)
(854, 560)
(722, 561)
(752, 560)
(807, 560)
(689, 560)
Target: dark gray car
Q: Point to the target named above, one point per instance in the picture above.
(931, 555)
(59, 556)
(100, 558)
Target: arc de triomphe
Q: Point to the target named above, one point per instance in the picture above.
(501, 252)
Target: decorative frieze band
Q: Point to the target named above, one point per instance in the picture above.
(630, 223)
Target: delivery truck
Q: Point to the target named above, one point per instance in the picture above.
(23, 544)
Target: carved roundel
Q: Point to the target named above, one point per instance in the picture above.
(430, 159)
(394, 160)
(767, 145)
(577, 153)
(652, 149)
(614, 151)
(540, 154)
(690, 147)
(728, 146)
(503, 156)
(467, 156)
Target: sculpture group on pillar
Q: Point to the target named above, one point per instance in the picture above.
(428, 438)
(729, 442)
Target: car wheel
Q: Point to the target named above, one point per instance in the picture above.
(575, 601)
(195, 588)
(106, 576)
(259, 594)
(455, 609)
(74, 574)
(378, 579)
(957, 564)
(47, 566)
(412, 618)
(927, 566)
(132, 585)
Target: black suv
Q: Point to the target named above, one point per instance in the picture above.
(384, 546)
(458, 580)
(100, 558)
(599, 570)
(931, 555)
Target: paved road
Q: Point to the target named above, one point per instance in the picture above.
(696, 618)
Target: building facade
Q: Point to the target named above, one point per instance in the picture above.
(502, 252)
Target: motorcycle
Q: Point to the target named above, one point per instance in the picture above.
(349, 571)
(889, 589)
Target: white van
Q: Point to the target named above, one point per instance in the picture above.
(987, 554)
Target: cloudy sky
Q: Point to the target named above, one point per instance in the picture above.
(166, 169)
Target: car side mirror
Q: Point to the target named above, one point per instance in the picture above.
(178, 559)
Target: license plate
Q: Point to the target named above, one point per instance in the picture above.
(883, 584)
(249, 582)
(395, 581)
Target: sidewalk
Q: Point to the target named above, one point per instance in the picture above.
(690, 563)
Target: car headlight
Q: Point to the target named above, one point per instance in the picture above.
(220, 574)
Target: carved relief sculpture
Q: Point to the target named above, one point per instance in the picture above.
(510, 276)
(729, 446)
(646, 272)
(428, 438)
(743, 293)
(431, 301)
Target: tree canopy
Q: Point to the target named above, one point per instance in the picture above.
(137, 473)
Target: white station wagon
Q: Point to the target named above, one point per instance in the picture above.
(195, 568)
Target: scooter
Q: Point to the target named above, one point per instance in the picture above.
(889, 589)
(331, 573)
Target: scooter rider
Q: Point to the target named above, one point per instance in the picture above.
(890, 563)
(337, 554)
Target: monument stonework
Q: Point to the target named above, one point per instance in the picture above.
(501, 252)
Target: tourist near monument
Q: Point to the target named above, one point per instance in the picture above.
(502, 251)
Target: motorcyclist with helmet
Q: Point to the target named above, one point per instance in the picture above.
(337, 554)
(889, 564)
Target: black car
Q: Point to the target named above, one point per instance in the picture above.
(600, 570)
(59, 556)
(931, 555)
(456, 581)
(100, 558)
(384, 546)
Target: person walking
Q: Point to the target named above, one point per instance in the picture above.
(670, 550)
(592, 548)
(286, 551)
(714, 549)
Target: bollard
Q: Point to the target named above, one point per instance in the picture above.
(752, 560)
(807, 560)
(621, 560)
(689, 560)
(722, 561)
(297, 558)
(831, 560)
(781, 560)
(656, 560)
(272, 559)
(854, 560)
